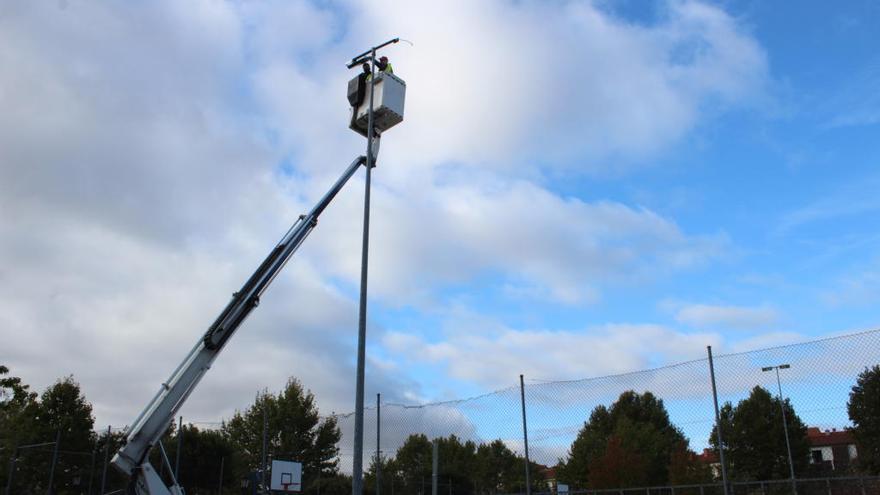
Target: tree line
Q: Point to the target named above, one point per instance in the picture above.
(633, 443)
(31, 423)
(630, 443)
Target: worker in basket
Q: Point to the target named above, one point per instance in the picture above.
(383, 65)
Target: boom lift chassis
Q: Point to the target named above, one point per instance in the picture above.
(146, 431)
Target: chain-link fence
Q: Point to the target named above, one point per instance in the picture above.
(571, 446)
(815, 379)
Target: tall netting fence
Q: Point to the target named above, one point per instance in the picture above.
(815, 378)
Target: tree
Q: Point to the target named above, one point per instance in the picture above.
(17, 407)
(497, 469)
(295, 432)
(332, 484)
(618, 466)
(864, 412)
(590, 443)
(60, 412)
(108, 443)
(464, 467)
(685, 467)
(63, 408)
(631, 443)
(389, 478)
(412, 463)
(201, 456)
(754, 438)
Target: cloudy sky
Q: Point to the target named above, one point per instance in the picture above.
(579, 188)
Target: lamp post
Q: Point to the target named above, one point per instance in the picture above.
(784, 421)
(357, 463)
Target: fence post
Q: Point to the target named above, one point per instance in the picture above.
(14, 459)
(435, 462)
(862, 484)
(378, 439)
(263, 466)
(724, 479)
(220, 488)
(522, 394)
(179, 448)
(54, 461)
(106, 458)
(92, 471)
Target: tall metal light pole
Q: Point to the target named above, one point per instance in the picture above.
(718, 432)
(358, 461)
(784, 421)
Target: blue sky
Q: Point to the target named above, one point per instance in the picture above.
(579, 189)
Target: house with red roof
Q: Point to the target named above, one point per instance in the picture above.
(833, 450)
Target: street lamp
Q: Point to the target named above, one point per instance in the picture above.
(372, 149)
(784, 421)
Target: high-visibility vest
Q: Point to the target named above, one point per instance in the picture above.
(388, 69)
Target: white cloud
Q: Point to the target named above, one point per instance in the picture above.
(563, 247)
(737, 317)
(858, 286)
(140, 182)
(494, 360)
(505, 85)
(138, 199)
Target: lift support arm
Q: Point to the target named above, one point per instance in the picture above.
(154, 420)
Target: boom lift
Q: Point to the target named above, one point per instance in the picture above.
(147, 430)
(152, 423)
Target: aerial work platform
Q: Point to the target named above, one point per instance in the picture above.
(389, 95)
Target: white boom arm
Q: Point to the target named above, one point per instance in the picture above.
(154, 420)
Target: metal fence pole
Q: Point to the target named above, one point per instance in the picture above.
(265, 444)
(522, 395)
(378, 443)
(92, 471)
(54, 461)
(220, 487)
(106, 460)
(179, 448)
(14, 459)
(724, 479)
(435, 462)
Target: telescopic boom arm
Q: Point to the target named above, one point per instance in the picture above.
(151, 424)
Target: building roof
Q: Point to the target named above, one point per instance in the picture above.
(828, 438)
(709, 456)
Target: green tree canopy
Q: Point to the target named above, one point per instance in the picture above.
(17, 408)
(464, 467)
(864, 412)
(61, 411)
(630, 443)
(412, 463)
(497, 469)
(201, 457)
(295, 432)
(754, 438)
